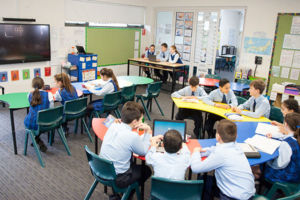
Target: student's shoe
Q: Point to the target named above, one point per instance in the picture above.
(43, 147)
(114, 197)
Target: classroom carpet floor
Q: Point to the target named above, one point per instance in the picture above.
(64, 177)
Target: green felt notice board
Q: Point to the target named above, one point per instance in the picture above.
(283, 27)
(113, 45)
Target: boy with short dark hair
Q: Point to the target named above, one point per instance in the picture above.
(257, 104)
(232, 170)
(150, 51)
(174, 161)
(163, 56)
(193, 91)
(120, 142)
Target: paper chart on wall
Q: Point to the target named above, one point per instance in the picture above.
(137, 35)
(291, 42)
(285, 72)
(136, 45)
(295, 28)
(273, 96)
(294, 74)
(286, 58)
(296, 59)
(276, 71)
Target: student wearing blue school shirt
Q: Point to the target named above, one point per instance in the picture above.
(223, 97)
(232, 170)
(110, 84)
(257, 105)
(174, 161)
(163, 56)
(193, 91)
(120, 142)
(150, 51)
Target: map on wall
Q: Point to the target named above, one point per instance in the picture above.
(262, 46)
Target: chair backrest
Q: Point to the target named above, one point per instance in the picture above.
(276, 114)
(153, 89)
(49, 119)
(244, 81)
(233, 59)
(163, 189)
(241, 100)
(75, 108)
(296, 195)
(128, 93)
(100, 167)
(213, 76)
(112, 101)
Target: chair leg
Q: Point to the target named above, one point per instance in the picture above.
(76, 126)
(161, 111)
(36, 148)
(87, 130)
(63, 139)
(91, 190)
(138, 193)
(52, 134)
(146, 110)
(26, 143)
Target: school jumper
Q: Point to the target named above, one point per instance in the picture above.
(175, 58)
(232, 170)
(163, 57)
(184, 113)
(63, 95)
(146, 70)
(258, 107)
(286, 167)
(169, 165)
(118, 145)
(219, 97)
(30, 120)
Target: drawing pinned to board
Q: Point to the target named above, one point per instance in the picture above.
(179, 32)
(26, 74)
(37, 72)
(188, 33)
(178, 40)
(180, 15)
(179, 48)
(189, 16)
(15, 75)
(3, 76)
(47, 71)
(188, 24)
(187, 49)
(187, 41)
(179, 24)
(186, 56)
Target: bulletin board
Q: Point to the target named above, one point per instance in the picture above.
(113, 45)
(285, 62)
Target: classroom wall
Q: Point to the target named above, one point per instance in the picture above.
(260, 20)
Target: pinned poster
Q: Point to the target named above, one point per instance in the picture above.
(286, 58)
(37, 72)
(3, 76)
(26, 74)
(47, 71)
(15, 75)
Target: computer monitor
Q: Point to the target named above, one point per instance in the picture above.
(160, 127)
(152, 58)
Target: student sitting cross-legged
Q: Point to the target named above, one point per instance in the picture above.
(257, 106)
(193, 91)
(223, 97)
(232, 170)
(174, 161)
(120, 142)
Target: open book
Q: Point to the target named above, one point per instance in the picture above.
(264, 129)
(234, 116)
(263, 143)
(249, 150)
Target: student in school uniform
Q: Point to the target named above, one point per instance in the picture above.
(257, 105)
(232, 170)
(110, 85)
(163, 56)
(66, 90)
(150, 51)
(120, 142)
(193, 91)
(286, 167)
(39, 100)
(174, 161)
(287, 106)
(223, 97)
(174, 57)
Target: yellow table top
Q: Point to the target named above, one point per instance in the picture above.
(212, 109)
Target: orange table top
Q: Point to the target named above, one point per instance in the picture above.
(54, 90)
(210, 82)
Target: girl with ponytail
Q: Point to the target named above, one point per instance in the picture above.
(174, 55)
(39, 100)
(109, 85)
(286, 168)
(66, 90)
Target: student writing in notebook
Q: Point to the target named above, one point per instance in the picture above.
(257, 105)
(223, 97)
(232, 170)
(193, 91)
(172, 163)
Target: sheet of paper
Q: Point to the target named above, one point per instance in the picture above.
(136, 54)
(136, 45)
(295, 29)
(296, 59)
(88, 59)
(137, 35)
(94, 58)
(94, 64)
(83, 66)
(263, 143)
(81, 59)
(276, 71)
(291, 42)
(297, 98)
(264, 129)
(284, 97)
(286, 58)
(285, 72)
(178, 40)
(273, 96)
(294, 74)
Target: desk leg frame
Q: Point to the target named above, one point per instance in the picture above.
(173, 80)
(13, 130)
(173, 108)
(128, 67)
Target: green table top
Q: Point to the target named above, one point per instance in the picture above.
(16, 100)
(137, 80)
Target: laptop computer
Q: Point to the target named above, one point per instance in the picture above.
(80, 50)
(160, 127)
(152, 58)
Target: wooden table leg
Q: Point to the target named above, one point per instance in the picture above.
(13, 131)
